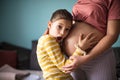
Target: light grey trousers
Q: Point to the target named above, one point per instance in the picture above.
(101, 68)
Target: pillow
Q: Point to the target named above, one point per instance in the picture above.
(23, 54)
(8, 57)
(33, 57)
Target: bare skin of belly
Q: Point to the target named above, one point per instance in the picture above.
(72, 38)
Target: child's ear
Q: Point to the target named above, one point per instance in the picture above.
(49, 24)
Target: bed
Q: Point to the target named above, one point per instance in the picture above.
(9, 73)
(24, 65)
(19, 63)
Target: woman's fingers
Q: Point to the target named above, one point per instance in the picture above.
(68, 68)
(71, 67)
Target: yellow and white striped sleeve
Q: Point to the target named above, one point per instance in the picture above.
(54, 51)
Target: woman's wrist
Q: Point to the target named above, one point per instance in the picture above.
(89, 57)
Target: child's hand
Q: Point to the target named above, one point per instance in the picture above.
(88, 42)
(46, 31)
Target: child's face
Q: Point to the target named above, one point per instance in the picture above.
(59, 29)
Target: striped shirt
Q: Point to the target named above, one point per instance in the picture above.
(51, 59)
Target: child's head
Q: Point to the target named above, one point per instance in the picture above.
(60, 24)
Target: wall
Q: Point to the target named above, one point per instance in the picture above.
(22, 21)
(25, 20)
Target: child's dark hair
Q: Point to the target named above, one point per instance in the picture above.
(61, 14)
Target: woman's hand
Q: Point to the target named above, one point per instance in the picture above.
(76, 62)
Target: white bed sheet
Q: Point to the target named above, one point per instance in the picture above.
(9, 73)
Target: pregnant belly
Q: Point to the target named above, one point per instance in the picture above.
(73, 36)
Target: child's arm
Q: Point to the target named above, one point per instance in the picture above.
(54, 51)
(83, 44)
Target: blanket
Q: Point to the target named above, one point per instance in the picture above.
(9, 73)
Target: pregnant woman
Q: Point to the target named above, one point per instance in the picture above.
(102, 18)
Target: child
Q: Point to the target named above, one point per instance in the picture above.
(50, 57)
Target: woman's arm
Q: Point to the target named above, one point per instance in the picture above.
(108, 40)
(113, 30)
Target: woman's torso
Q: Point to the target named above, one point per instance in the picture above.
(94, 16)
(79, 27)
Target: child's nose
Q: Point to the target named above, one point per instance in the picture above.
(62, 32)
